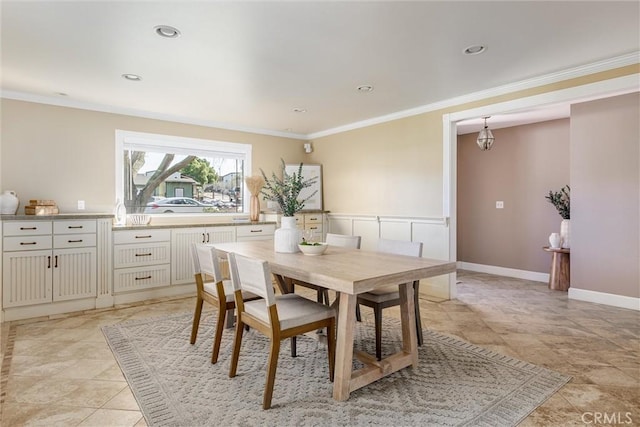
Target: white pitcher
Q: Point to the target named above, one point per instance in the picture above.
(9, 202)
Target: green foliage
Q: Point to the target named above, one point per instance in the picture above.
(201, 171)
(561, 200)
(285, 190)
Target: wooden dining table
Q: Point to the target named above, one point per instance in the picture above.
(351, 272)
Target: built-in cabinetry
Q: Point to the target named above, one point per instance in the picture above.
(311, 223)
(48, 261)
(52, 266)
(141, 259)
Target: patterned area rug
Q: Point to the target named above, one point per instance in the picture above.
(455, 384)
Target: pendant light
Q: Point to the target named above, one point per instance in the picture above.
(485, 137)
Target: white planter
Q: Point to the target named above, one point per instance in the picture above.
(9, 202)
(287, 237)
(565, 233)
(555, 240)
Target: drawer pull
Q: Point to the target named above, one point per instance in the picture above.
(149, 254)
(55, 261)
(256, 231)
(28, 243)
(313, 219)
(74, 241)
(28, 228)
(75, 226)
(49, 261)
(143, 278)
(313, 228)
(143, 237)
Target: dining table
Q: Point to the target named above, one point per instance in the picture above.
(350, 272)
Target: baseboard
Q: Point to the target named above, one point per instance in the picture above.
(503, 271)
(604, 298)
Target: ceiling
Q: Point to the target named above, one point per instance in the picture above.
(248, 65)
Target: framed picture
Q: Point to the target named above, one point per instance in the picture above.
(308, 172)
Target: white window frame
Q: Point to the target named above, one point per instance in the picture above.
(181, 145)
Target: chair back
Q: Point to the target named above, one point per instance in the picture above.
(251, 275)
(343, 240)
(205, 261)
(400, 247)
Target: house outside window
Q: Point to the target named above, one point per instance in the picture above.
(172, 175)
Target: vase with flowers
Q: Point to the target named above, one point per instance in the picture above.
(285, 192)
(254, 185)
(561, 200)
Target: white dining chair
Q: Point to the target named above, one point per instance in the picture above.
(214, 289)
(277, 317)
(389, 296)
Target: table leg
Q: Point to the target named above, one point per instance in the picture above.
(344, 346)
(408, 317)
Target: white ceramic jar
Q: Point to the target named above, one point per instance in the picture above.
(9, 202)
(287, 237)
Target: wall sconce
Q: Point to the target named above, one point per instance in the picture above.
(485, 137)
(308, 148)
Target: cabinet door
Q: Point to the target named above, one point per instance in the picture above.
(74, 273)
(181, 241)
(26, 278)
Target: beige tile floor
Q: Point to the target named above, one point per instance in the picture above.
(60, 371)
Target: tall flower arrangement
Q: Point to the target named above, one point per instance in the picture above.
(561, 200)
(285, 190)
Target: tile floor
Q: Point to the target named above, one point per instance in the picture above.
(60, 371)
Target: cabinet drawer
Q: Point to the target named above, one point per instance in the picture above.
(26, 243)
(262, 230)
(142, 254)
(74, 241)
(141, 236)
(316, 228)
(27, 228)
(133, 279)
(312, 219)
(74, 226)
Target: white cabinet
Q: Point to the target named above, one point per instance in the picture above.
(181, 240)
(255, 232)
(45, 261)
(141, 259)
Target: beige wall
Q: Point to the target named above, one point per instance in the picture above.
(605, 178)
(523, 165)
(68, 154)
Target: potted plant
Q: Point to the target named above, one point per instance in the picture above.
(561, 200)
(285, 192)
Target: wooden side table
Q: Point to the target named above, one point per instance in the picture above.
(559, 276)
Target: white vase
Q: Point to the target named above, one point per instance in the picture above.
(565, 233)
(9, 202)
(287, 237)
(555, 240)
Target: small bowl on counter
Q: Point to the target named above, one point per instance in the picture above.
(313, 248)
(138, 219)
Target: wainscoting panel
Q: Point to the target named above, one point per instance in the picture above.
(433, 232)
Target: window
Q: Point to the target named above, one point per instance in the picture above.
(162, 174)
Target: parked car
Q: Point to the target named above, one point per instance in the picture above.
(178, 205)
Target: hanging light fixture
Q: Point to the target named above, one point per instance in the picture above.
(485, 137)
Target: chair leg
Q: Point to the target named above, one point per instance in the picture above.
(358, 316)
(218, 338)
(377, 314)
(196, 319)
(416, 302)
(237, 341)
(331, 348)
(271, 373)
(294, 352)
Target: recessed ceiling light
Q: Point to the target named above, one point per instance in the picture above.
(167, 31)
(474, 50)
(132, 77)
(299, 110)
(365, 88)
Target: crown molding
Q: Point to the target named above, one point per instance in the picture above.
(596, 67)
(49, 100)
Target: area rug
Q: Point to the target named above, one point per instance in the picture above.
(455, 384)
